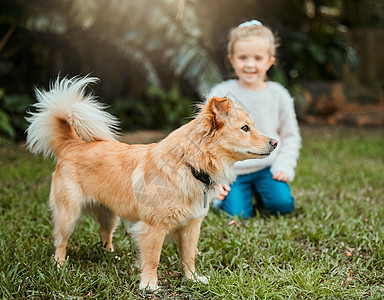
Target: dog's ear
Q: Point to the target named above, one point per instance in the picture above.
(219, 109)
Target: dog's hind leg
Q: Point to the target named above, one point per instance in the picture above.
(66, 210)
(149, 240)
(188, 237)
(108, 222)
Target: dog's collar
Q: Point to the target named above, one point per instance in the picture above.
(205, 179)
(202, 176)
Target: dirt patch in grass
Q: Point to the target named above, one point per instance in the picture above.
(143, 136)
(353, 115)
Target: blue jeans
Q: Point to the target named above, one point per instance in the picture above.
(274, 195)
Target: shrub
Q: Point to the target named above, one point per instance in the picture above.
(12, 116)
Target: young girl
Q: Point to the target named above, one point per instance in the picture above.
(251, 52)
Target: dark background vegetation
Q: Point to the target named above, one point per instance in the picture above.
(156, 58)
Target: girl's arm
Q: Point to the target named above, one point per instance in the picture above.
(290, 140)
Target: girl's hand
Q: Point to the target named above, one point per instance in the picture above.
(223, 192)
(281, 176)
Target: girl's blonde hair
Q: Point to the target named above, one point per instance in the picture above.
(260, 30)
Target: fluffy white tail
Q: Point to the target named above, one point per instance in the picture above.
(66, 102)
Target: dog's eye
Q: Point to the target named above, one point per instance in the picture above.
(245, 128)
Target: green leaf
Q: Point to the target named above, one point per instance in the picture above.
(318, 52)
(16, 103)
(6, 126)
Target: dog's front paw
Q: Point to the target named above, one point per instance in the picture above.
(148, 286)
(202, 279)
(198, 278)
(108, 248)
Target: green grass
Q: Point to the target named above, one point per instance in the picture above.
(337, 230)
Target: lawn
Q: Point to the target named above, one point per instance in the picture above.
(330, 247)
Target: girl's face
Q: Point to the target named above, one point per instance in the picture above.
(251, 61)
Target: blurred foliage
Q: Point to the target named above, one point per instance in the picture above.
(5, 122)
(130, 45)
(133, 113)
(175, 109)
(12, 113)
(168, 109)
(125, 43)
(318, 54)
(144, 48)
(362, 13)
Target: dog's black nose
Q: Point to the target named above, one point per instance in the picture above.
(273, 143)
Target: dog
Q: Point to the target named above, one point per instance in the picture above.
(163, 188)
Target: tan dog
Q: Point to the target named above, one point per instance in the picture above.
(163, 188)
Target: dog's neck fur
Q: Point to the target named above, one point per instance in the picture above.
(194, 145)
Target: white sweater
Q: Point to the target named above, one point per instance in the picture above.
(272, 110)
